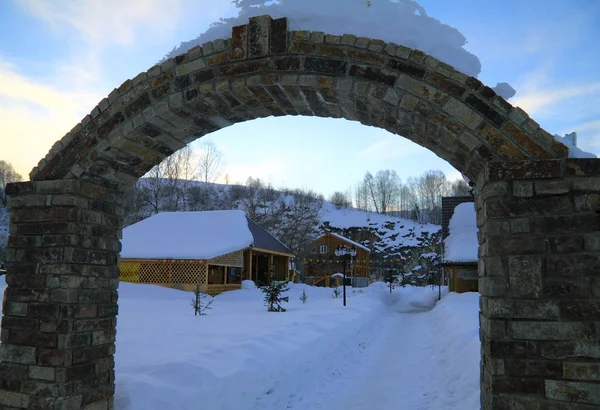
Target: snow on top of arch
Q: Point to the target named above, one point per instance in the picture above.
(402, 22)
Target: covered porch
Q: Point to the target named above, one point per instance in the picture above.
(264, 266)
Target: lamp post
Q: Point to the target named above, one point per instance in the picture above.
(345, 254)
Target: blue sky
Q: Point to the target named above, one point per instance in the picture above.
(58, 59)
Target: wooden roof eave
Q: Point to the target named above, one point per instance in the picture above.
(270, 251)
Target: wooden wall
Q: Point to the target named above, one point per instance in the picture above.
(460, 285)
(325, 264)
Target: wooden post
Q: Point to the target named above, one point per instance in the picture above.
(249, 264)
(225, 275)
(271, 268)
(287, 268)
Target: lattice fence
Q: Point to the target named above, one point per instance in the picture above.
(163, 272)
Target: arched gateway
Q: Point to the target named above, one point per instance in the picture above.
(538, 212)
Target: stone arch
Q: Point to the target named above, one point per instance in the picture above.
(265, 70)
(537, 210)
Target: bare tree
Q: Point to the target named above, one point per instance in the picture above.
(387, 186)
(165, 187)
(459, 187)
(340, 200)
(428, 190)
(7, 175)
(361, 196)
(301, 216)
(210, 165)
(369, 186)
(260, 201)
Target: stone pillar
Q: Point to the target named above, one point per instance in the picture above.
(60, 306)
(539, 279)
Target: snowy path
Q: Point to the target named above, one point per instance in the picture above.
(389, 366)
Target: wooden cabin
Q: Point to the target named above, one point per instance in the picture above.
(460, 244)
(214, 249)
(323, 263)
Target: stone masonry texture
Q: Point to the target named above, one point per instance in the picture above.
(539, 279)
(538, 212)
(60, 306)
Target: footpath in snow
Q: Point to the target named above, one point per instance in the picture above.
(406, 362)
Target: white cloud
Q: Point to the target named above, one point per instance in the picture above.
(540, 101)
(394, 146)
(38, 109)
(34, 115)
(108, 21)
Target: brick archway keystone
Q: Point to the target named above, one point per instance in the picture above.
(538, 212)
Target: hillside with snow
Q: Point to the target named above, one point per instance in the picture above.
(296, 219)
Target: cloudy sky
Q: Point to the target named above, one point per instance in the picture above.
(59, 58)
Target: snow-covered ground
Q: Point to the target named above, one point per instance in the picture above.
(381, 351)
(378, 350)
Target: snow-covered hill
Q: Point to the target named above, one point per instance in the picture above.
(381, 233)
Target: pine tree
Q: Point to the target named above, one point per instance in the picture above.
(304, 296)
(273, 298)
(199, 304)
(337, 292)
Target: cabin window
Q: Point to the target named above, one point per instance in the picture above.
(467, 274)
(216, 275)
(235, 275)
(313, 250)
(323, 249)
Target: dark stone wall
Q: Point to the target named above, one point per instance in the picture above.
(60, 306)
(539, 281)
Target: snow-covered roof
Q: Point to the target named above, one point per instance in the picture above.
(462, 244)
(350, 241)
(187, 235)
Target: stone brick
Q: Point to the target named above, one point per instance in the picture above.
(565, 224)
(325, 66)
(258, 36)
(589, 202)
(493, 328)
(525, 277)
(17, 354)
(573, 391)
(519, 225)
(14, 400)
(571, 266)
(573, 288)
(581, 371)
(371, 74)
(525, 169)
(41, 373)
(549, 187)
(278, 36)
(586, 185)
(463, 113)
(565, 244)
(583, 167)
(529, 330)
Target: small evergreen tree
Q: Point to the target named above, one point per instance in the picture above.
(273, 298)
(304, 296)
(199, 303)
(337, 292)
